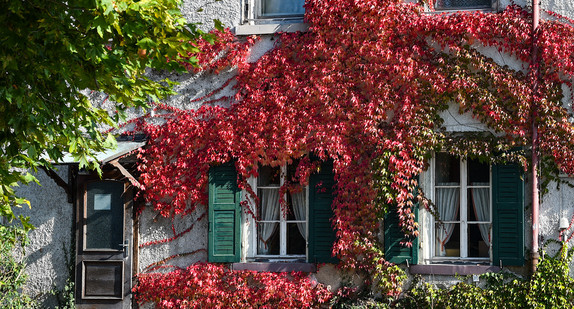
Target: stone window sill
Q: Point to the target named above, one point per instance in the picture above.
(276, 267)
(451, 270)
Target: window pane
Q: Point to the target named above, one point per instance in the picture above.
(297, 205)
(269, 208)
(295, 240)
(447, 201)
(268, 176)
(478, 240)
(447, 169)
(478, 173)
(282, 7)
(268, 240)
(447, 239)
(462, 3)
(104, 215)
(478, 204)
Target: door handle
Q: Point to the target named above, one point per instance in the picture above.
(126, 248)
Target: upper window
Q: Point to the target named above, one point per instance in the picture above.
(462, 4)
(280, 8)
(462, 197)
(271, 16)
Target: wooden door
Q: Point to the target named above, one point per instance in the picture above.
(103, 254)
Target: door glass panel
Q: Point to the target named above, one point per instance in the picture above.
(104, 215)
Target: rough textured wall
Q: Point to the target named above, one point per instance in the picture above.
(50, 248)
(179, 242)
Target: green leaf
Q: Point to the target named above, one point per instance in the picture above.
(218, 25)
(146, 43)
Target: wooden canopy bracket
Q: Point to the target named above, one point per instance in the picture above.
(125, 172)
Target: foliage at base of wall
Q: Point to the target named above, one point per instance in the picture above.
(66, 297)
(216, 286)
(551, 286)
(12, 276)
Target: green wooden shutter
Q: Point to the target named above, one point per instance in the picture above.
(394, 251)
(224, 214)
(508, 215)
(321, 232)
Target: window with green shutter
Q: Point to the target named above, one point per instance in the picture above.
(302, 231)
(481, 214)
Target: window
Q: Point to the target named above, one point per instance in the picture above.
(271, 16)
(481, 208)
(280, 8)
(301, 232)
(462, 4)
(462, 199)
(280, 231)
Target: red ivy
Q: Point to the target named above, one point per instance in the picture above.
(215, 286)
(365, 87)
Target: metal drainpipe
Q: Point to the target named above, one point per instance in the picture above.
(535, 202)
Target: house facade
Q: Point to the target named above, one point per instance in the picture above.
(99, 233)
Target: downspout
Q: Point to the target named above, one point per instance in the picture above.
(536, 72)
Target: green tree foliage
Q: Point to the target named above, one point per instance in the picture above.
(52, 52)
(12, 275)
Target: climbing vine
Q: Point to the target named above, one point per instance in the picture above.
(366, 87)
(215, 286)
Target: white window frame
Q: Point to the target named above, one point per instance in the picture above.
(463, 190)
(250, 240)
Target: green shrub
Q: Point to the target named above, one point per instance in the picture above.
(12, 276)
(549, 287)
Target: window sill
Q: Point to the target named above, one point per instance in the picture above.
(270, 28)
(276, 267)
(451, 270)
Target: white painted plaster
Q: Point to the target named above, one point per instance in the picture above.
(49, 247)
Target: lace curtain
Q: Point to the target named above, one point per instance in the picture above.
(480, 203)
(448, 202)
(270, 211)
(300, 210)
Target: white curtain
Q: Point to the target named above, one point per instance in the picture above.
(300, 209)
(272, 7)
(447, 201)
(480, 203)
(270, 211)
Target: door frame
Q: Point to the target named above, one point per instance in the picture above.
(107, 260)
